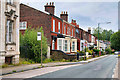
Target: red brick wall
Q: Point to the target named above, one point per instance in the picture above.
(36, 18)
(56, 24)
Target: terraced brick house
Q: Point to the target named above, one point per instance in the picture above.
(61, 34)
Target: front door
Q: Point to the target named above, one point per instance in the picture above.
(8, 60)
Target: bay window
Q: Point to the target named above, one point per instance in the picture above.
(60, 44)
(66, 45)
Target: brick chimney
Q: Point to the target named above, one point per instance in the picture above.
(64, 16)
(50, 8)
(74, 23)
(89, 30)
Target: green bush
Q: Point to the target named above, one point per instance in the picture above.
(108, 51)
(91, 47)
(31, 48)
(81, 53)
(47, 60)
(96, 51)
(4, 65)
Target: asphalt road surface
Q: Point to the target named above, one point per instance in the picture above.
(102, 68)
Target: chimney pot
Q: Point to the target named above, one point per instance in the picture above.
(66, 12)
(62, 12)
(50, 7)
(52, 3)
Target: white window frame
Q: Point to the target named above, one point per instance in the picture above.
(53, 45)
(60, 44)
(64, 29)
(63, 45)
(9, 34)
(23, 25)
(66, 45)
(53, 25)
(73, 46)
(72, 32)
(58, 27)
(68, 31)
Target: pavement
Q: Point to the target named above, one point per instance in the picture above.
(22, 68)
(117, 69)
(102, 68)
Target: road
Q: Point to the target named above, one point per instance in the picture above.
(102, 68)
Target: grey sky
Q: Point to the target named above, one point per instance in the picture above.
(87, 14)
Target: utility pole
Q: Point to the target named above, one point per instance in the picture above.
(41, 48)
(98, 30)
(39, 38)
(98, 34)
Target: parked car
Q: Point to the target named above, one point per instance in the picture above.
(117, 53)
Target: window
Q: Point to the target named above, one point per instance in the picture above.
(72, 32)
(9, 31)
(64, 29)
(10, 1)
(73, 46)
(60, 44)
(23, 25)
(65, 45)
(59, 27)
(53, 44)
(68, 31)
(53, 25)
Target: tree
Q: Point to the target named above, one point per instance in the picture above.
(115, 41)
(103, 34)
(31, 48)
(95, 32)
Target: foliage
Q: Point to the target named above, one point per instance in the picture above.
(108, 51)
(47, 60)
(90, 52)
(115, 41)
(31, 48)
(26, 61)
(4, 65)
(81, 53)
(91, 47)
(96, 51)
(103, 34)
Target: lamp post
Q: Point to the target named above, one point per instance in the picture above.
(98, 30)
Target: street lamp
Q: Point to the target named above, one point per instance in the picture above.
(98, 30)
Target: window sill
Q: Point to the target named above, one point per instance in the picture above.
(22, 29)
(12, 43)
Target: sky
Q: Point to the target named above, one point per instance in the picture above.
(87, 13)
